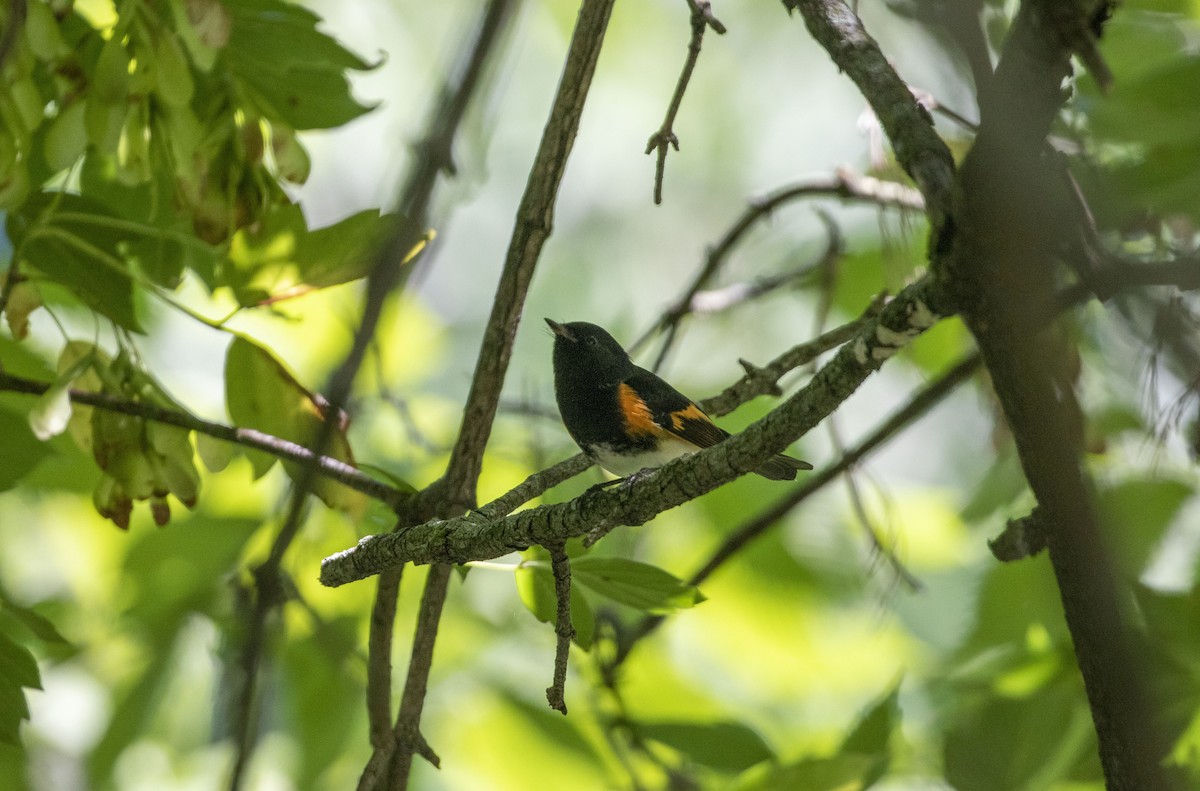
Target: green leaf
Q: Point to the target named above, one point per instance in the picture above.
(215, 453)
(1151, 119)
(322, 698)
(110, 78)
(1136, 513)
(67, 138)
(18, 670)
(281, 257)
(80, 250)
(1015, 597)
(1002, 487)
(41, 628)
(292, 71)
(874, 729)
(638, 585)
(727, 746)
(17, 664)
(535, 586)
(1023, 744)
(174, 83)
(261, 393)
(873, 732)
(1173, 648)
(388, 477)
(843, 772)
(160, 240)
(280, 31)
(42, 33)
(22, 450)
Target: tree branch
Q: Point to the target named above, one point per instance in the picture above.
(917, 406)
(475, 537)
(662, 140)
(407, 734)
(535, 219)
(379, 657)
(454, 492)
(844, 184)
(918, 148)
(563, 630)
(1005, 280)
(280, 448)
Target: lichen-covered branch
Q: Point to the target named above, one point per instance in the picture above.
(475, 537)
(757, 525)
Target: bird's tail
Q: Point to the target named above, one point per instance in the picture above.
(782, 468)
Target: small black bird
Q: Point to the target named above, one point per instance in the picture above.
(625, 417)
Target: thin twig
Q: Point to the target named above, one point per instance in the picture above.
(284, 449)
(731, 296)
(917, 406)
(765, 380)
(665, 138)
(391, 760)
(934, 105)
(407, 734)
(379, 657)
(845, 184)
(564, 631)
(859, 506)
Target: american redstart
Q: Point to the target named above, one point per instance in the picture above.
(625, 417)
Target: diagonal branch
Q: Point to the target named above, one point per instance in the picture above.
(455, 491)
(475, 537)
(917, 406)
(246, 437)
(535, 220)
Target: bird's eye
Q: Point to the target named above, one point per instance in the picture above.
(590, 340)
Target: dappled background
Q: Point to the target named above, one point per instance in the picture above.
(877, 615)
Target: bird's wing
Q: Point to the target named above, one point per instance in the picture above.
(671, 412)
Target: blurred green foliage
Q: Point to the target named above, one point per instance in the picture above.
(150, 173)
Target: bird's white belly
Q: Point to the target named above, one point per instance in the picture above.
(625, 464)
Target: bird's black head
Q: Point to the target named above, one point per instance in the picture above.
(586, 355)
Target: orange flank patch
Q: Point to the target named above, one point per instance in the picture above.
(691, 413)
(638, 419)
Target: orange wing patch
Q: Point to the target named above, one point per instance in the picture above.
(691, 413)
(638, 419)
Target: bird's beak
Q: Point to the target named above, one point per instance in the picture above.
(560, 330)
